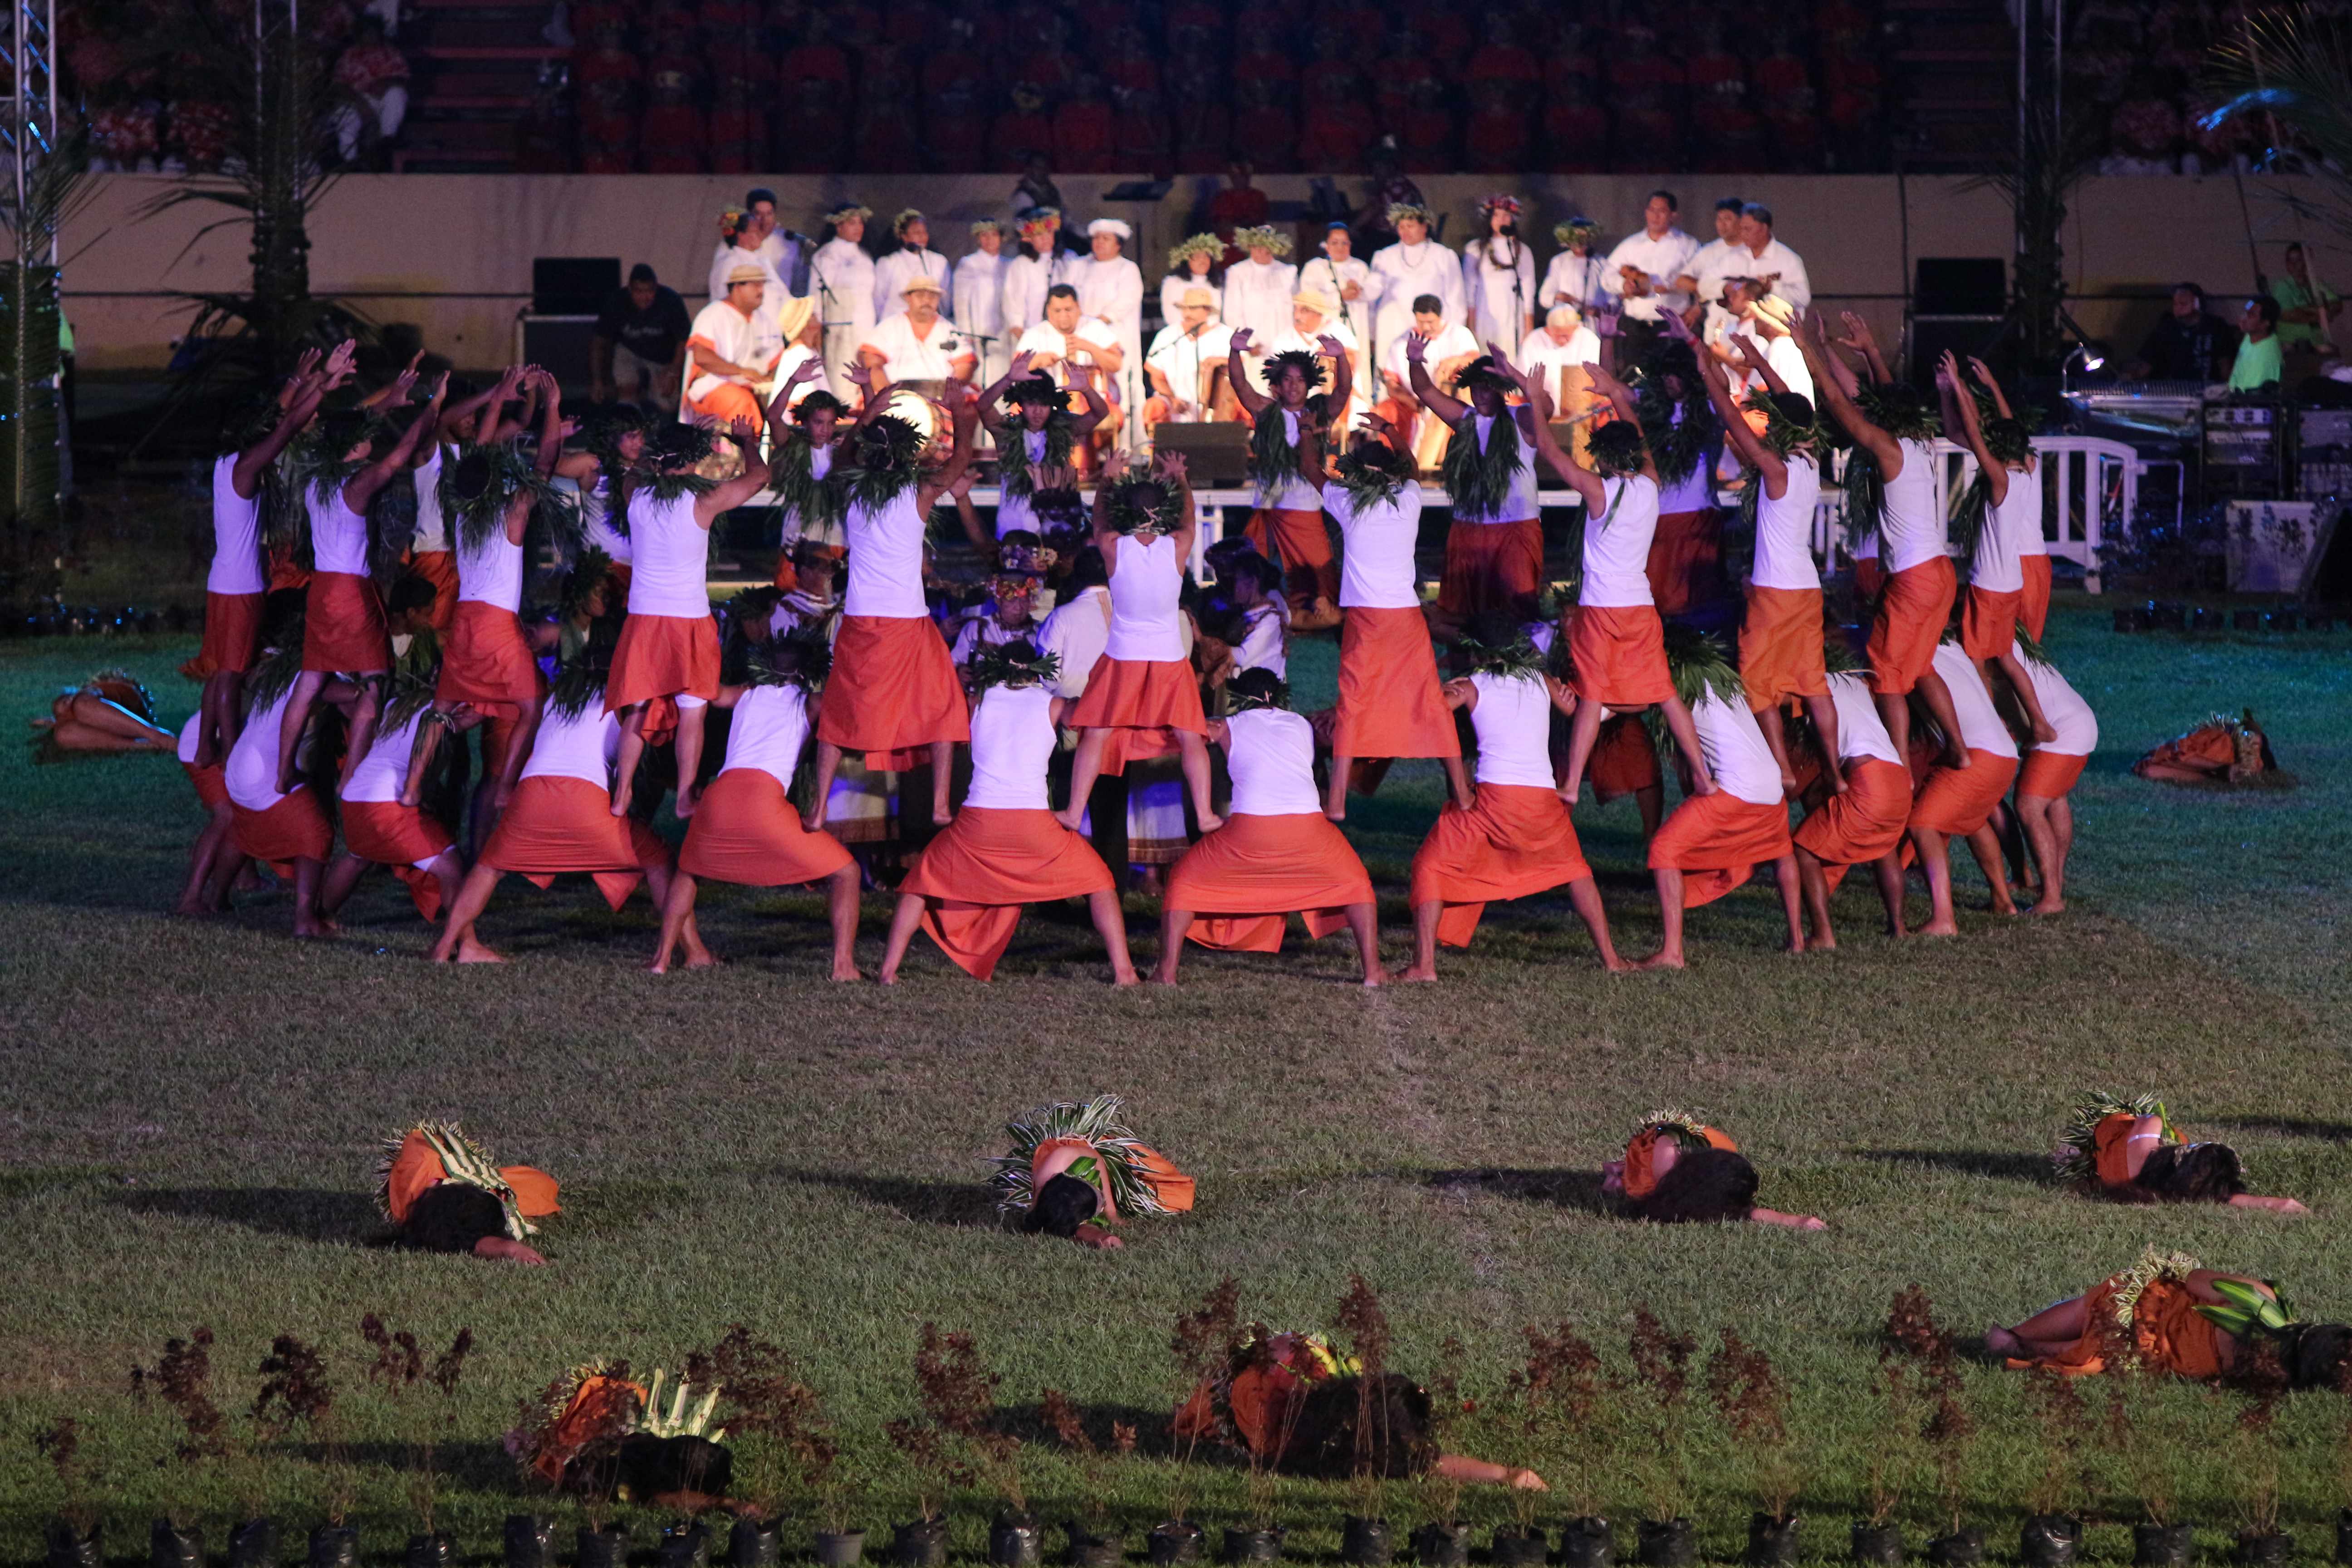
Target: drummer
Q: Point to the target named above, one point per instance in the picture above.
(919, 349)
(734, 351)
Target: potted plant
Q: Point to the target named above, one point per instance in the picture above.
(1202, 1345)
(2052, 1535)
(1441, 1539)
(1945, 1423)
(295, 1392)
(1558, 1419)
(782, 1442)
(959, 1399)
(401, 1371)
(1095, 1538)
(1658, 1402)
(1751, 1406)
(73, 1537)
(2260, 1381)
(182, 1379)
(1364, 1535)
(568, 1440)
(1259, 1538)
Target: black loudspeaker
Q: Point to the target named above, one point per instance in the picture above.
(572, 285)
(1959, 286)
(1963, 335)
(560, 344)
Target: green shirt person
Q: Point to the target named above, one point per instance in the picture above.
(2260, 361)
(2307, 306)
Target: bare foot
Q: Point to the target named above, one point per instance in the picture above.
(1794, 944)
(621, 805)
(2049, 907)
(469, 950)
(812, 821)
(1957, 758)
(2001, 1341)
(845, 971)
(412, 797)
(1162, 977)
(1376, 975)
(1703, 786)
(1419, 974)
(886, 975)
(1837, 781)
(660, 965)
(1662, 960)
(1937, 928)
(683, 805)
(1825, 942)
(701, 958)
(2004, 907)
(2045, 732)
(1125, 977)
(1336, 813)
(193, 910)
(1788, 785)
(1612, 965)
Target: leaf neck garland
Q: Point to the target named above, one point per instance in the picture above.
(1515, 661)
(476, 522)
(1865, 496)
(817, 502)
(462, 1161)
(1120, 1157)
(1273, 454)
(1700, 665)
(1478, 479)
(1020, 475)
(1967, 524)
(1680, 433)
(993, 665)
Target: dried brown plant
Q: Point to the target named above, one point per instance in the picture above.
(295, 1392)
(2061, 1428)
(1659, 1395)
(1202, 1346)
(60, 1444)
(1367, 1329)
(1947, 1425)
(776, 1422)
(959, 1395)
(1751, 1401)
(1561, 1422)
(2259, 1379)
(1098, 1474)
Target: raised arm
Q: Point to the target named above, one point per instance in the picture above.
(244, 474)
(1959, 400)
(1310, 453)
(1017, 369)
(1621, 398)
(362, 488)
(1096, 410)
(1986, 379)
(551, 426)
(1170, 468)
(1752, 451)
(1251, 400)
(456, 419)
(1840, 403)
(1343, 373)
(1859, 338)
(962, 418)
(1448, 410)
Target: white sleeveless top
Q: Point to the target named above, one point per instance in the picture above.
(1737, 756)
(1784, 530)
(250, 775)
(236, 536)
(1376, 564)
(596, 518)
(1290, 491)
(1145, 584)
(885, 560)
(1519, 502)
(491, 574)
(1999, 566)
(432, 527)
(2077, 726)
(1914, 533)
(191, 737)
(670, 569)
(768, 732)
(575, 745)
(1860, 731)
(1012, 739)
(1694, 491)
(1617, 544)
(1271, 755)
(1513, 721)
(382, 774)
(1981, 729)
(1013, 511)
(339, 540)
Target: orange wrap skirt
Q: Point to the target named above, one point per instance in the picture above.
(1686, 551)
(2048, 774)
(417, 1169)
(658, 659)
(485, 663)
(1492, 566)
(1780, 647)
(1391, 701)
(404, 838)
(438, 567)
(1911, 616)
(1139, 694)
(1620, 652)
(1266, 868)
(211, 784)
(892, 691)
(293, 829)
(555, 825)
(1308, 572)
(1956, 802)
(745, 831)
(1988, 622)
(974, 877)
(1514, 840)
(1865, 822)
(2170, 1334)
(2036, 610)
(343, 626)
(232, 632)
(2111, 1147)
(1624, 760)
(1719, 836)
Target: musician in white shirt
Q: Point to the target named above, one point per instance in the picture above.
(1498, 273)
(1183, 354)
(1645, 269)
(1696, 278)
(841, 277)
(1413, 266)
(739, 244)
(1562, 342)
(978, 305)
(1072, 348)
(913, 258)
(915, 344)
(1111, 290)
(1337, 274)
(1449, 347)
(1759, 255)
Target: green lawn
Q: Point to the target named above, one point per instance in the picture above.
(192, 1110)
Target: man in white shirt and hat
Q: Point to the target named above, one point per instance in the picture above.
(914, 258)
(1183, 355)
(1413, 268)
(731, 351)
(1338, 274)
(1643, 271)
(978, 299)
(841, 279)
(915, 344)
(1111, 290)
(739, 244)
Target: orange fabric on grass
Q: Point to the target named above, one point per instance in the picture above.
(2169, 1332)
(1308, 570)
(598, 1405)
(232, 633)
(1864, 823)
(1391, 703)
(1139, 694)
(1988, 622)
(293, 829)
(1260, 868)
(486, 662)
(211, 784)
(1492, 566)
(1174, 1189)
(2036, 610)
(556, 826)
(438, 567)
(1721, 837)
(1620, 654)
(745, 831)
(2209, 746)
(1641, 1157)
(2111, 1147)
(1780, 647)
(893, 689)
(417, 1169)
(2048, 775)
(1912, 613)
(1514, 840)
(343, 626)
(1956, 802)
(657, 657)
(1686, 557)
(1623, 759)
(974, 877)
(405, 838)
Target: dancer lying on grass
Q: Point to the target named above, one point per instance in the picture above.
(2127, 1150)
(1075, 1170)
(2177, 1318)
(108, 712)
(1293, 1403)
(1679, 1170)
(442, 1194)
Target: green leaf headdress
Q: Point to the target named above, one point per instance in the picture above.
(462, 1160)
(673, 452)
(1479, 479)
(2077, 1157)
(1681, 428)
(1192, 246)
(888, 462)
(1373, 473)
(477, 490)
(1700, 663)
(1496, 645)
(1013, 664)
(1576, 229)
(1142, 504)
(1097, 1122)
(802, 656)
(1263, 234)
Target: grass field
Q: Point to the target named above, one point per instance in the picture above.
(191, 1112)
